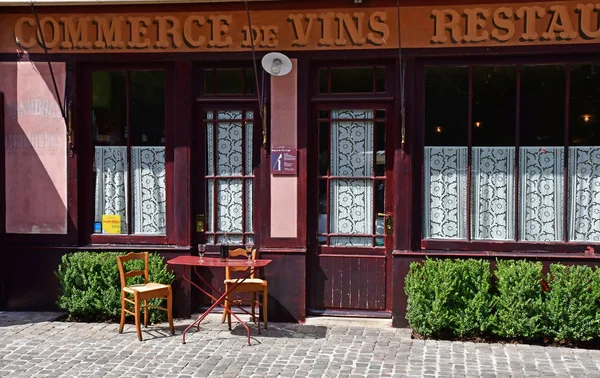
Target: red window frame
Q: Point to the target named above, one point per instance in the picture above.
(354, 100)
(87, 150)
(214, 101)
(489, 245)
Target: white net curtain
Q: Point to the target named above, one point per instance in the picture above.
(351, 204)
(232, 141)
(148, 191)
(493, 198)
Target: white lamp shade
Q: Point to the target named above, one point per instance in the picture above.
(276, 64)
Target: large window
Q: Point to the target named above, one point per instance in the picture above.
(231, 124)
(512, 153)
(128, 126)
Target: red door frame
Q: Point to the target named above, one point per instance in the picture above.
(371, 101)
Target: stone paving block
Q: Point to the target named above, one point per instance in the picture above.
(34, 344)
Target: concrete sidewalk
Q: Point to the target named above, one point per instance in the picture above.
(36, 345)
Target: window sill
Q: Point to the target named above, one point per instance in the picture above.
(506, 246)
(107, 239)
(133, 247)
(484, 254)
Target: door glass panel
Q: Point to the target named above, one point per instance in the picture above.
(229, 142)
(351, 194)
(380, 144)
(229, 209)
(229, 179)
(379, 206)
(351, 143)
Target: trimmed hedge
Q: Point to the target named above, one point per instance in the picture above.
(91, 288)
(449, 297)
(572, 304)
(461, 298)
(519, 302)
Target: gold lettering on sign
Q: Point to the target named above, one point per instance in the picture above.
(139, 29)
(168, 26)
(585, 16)
(537, 24)
(19, 32)
(529, 16)
(353, 26)
(75, 33)
(269, 36)
(560, 23)
(326, 20)
(475, 24)
(188, 33)
(109, 33)
(219, 28)
(255, 35)
(502, 22)
(196, 31)
(446, 19)
(380, 30)
(302, 33)
(53, 39)
(264, 36)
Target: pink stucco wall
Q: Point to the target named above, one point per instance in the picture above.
(284, 189)
(35, 148)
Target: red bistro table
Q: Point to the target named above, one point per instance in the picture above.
(191, 263)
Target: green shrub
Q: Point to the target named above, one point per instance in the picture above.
(91, 289)
(519, 300)
(448, 297)
(572, 303)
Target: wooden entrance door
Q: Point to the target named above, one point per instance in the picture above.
(224, 162)
(350, 255)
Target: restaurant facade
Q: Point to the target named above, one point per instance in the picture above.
(452, 129)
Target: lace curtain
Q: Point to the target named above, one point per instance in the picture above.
(541, 193)
(148, 187)
(492, 193)
(351, 200)
(445, 193)
(149, 190)
(230, 191)
(584, 198)
(111, 183)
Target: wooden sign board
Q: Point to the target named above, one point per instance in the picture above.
(509, 24)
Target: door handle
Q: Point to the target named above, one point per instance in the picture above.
(388, 223)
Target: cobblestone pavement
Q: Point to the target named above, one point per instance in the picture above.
(36, 345)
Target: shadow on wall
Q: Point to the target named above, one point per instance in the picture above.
(36, 182)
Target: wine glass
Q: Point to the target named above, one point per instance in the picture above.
(201, 250)
(249, 248)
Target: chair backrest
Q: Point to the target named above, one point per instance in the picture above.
(233, 253)
(132, 273)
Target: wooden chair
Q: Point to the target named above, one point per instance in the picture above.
(141, 293)
(252, 285)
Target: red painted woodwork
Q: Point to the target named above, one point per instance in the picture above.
(351, 278)
(86, 151)
(349, 282)
(2, 177)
